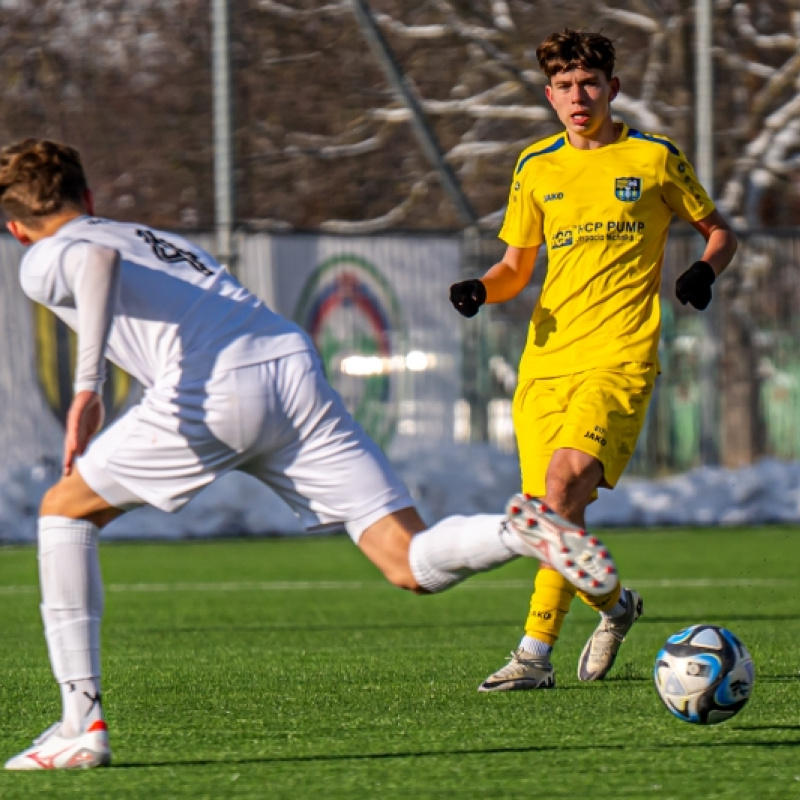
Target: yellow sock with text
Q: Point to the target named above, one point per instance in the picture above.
(550, 602)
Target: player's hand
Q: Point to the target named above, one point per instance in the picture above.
(694, 286)
(467, 297)
(84, 419)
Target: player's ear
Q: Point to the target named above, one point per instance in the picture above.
(614, 83)
(548, 93)
(17, 230)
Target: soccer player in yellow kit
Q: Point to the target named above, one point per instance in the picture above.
(600, 197)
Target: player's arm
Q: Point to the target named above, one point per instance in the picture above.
(502, 282)
(686, 196)
(694, 285)
(92, 273)
(720, 239)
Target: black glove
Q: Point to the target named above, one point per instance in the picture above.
(467, 297)
(694, 286)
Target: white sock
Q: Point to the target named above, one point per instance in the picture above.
(72, 608)
(619, 609)
(457, 547)
(535, 646)
(82, 705)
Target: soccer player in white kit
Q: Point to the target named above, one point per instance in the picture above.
(228, 385)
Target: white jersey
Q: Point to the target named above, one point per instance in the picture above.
(178, 310)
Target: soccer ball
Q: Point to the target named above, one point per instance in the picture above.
(704, 674)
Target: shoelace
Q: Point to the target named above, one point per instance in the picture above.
(602, 646)
(517, 660)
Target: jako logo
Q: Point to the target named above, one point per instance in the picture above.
(595, 437)
(555, 196)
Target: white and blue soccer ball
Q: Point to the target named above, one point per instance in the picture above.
(704, 674)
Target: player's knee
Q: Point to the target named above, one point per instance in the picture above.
(570, 492)
(62, 500)
(563, 492)
(55, 502)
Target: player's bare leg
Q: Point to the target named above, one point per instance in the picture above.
(424, 559)
(386, 544)
(72, 609)
(431, 559)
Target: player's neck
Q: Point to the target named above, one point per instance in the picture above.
(50, 225)
(608, 133)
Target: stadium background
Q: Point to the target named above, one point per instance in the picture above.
(286, 667)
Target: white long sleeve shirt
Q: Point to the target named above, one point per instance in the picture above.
(166, 307)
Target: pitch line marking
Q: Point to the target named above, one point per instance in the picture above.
(284, 586)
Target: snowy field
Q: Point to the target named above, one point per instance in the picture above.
(461, 479)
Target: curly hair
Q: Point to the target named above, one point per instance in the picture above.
(571, 49)
(39, 177)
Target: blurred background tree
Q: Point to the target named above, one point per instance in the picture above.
(321, 142)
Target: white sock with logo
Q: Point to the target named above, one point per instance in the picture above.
(457, 547)
(535, 647)
(619, 609)
(72, 609)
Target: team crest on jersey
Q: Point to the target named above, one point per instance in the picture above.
(628, 189)
(354, 319)
(56, 350)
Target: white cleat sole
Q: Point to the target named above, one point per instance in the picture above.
(577, 555)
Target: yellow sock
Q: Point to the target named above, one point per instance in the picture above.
(603, 603)
(550, 602)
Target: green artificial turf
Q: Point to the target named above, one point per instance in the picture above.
(288, 668)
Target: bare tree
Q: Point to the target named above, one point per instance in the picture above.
(321, 140)
(474, 69)
(129, 84)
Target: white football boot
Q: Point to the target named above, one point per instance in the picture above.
(54, 751)
(523, 671)
(578, 556)
(601, 650)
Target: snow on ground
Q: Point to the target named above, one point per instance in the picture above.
(457, 479)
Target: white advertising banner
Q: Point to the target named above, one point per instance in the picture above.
(378, 311)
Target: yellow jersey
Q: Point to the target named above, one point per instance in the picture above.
(604, 215)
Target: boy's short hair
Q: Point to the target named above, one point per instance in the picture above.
(570, 49)
(39, 177)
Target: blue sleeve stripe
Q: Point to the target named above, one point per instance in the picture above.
(634, 134)
(557, 145)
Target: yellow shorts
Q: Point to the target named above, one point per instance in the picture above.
(600, 412)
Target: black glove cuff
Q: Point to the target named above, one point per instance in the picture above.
(705, 271)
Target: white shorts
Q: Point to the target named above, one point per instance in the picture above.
(279, 421)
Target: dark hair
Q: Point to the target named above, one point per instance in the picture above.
(39, 177)
(570, 49)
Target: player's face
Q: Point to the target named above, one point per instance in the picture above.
(581, 98)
